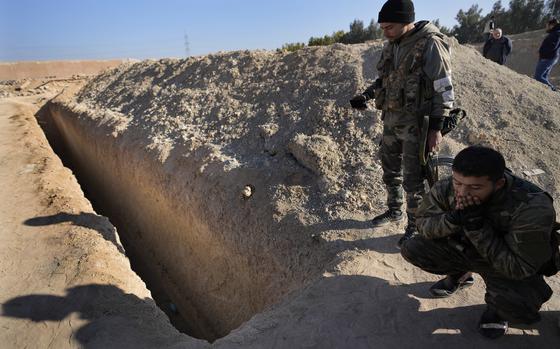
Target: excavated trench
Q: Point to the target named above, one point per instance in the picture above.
(99, 190)
(209, 266)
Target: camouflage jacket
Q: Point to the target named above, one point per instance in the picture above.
(415, 75)
(516, 235)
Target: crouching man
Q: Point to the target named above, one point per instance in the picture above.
(487, 221)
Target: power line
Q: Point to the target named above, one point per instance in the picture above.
(187, 46)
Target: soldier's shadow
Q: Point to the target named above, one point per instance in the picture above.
(336, 311)
(88, 220)
(113, 316)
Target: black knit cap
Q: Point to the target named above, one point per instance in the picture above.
(397, 11)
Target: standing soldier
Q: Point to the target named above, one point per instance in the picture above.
(414, 91)
(485, 220)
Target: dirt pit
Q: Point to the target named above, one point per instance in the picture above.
(243, 185)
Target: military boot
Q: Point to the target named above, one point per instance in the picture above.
(387, 217)
(451, 284)
(409, 231)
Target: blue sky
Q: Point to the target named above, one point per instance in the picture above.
(103, 29)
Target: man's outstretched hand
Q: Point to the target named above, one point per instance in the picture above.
(359, 102)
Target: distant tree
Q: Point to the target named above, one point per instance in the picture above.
(291, 47)
(525, 15)
(470, 25)
(374, 31)
(327, 39)
(521, 16)
(356, 34)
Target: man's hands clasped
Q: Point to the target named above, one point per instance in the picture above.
(469, 212)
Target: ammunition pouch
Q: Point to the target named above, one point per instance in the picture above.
(380, 97)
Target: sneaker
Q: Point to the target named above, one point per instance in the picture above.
(448, 286)
(491, 325)
(408, 234)
(386, 218)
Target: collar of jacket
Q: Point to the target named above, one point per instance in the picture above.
(421, 29)
(556, 28)
(500, 40)
(501, 195)
(417, 28)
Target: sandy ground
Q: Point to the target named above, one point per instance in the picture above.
(65, 282)
(284, 119)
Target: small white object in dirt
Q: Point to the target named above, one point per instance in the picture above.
(27, 169)
(534, 172)
(247, 192)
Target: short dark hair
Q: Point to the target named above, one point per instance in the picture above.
(479, 161)
(553, 21)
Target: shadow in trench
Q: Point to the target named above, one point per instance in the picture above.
(83, 219)
(115, 318)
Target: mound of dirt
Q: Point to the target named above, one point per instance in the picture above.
(207, 128)
(277, 111)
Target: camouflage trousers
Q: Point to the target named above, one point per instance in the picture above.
(400, 161)
(517, 301)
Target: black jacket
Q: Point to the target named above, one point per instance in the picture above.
(551, 44)
(497, 50)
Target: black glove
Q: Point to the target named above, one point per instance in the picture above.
(454, 217)
(359, 102)
(472, 217)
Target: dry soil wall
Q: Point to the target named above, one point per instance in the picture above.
(187, 219)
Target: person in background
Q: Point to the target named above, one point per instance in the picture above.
(488, 28)
(497, 48)
(548, 53)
